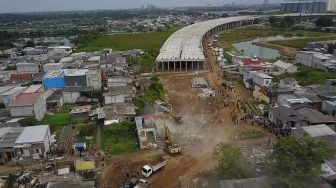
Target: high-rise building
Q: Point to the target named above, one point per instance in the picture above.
(308, 6)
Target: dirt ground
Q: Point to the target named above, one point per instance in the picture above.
(205, 124)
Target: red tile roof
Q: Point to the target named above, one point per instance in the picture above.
(26, 76)
(25, 99)
(251, 62)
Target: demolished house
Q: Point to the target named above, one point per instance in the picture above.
(146, 130)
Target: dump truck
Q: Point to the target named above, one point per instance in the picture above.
(148, 170)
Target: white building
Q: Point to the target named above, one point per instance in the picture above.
(290, 99)
(261, 79)
(121, 94)
(329, 107)
(60, 49)
(29, 105)
(27, 68)
(119, 81)
(33, 143)
(52, 66)
(93, 79)
(95, 59)
(288, 83)
(283, 67)
(316, 60)
(8, 96)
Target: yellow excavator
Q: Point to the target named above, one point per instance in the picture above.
(169, 147)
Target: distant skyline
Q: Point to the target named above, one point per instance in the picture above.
(67, 5)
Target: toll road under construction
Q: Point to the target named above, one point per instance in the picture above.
(183, 50)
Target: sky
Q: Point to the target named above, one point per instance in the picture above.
(65, 5)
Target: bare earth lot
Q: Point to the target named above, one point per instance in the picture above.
(205, 123)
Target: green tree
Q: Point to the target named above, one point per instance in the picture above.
(119, 130)
(296, 162)
(331, 48)
(288, 21)
(324, 21)
(229, 162)
(2, 105)
(30, 43)
(10, 181)
(272, 20)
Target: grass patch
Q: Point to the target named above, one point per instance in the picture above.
(57, 121)
(68, 107)
(144, 63)
(315, 76)
(300, 43)
(120, 138)
(249, 135)
(151, 42)
(252, 32)
(124, 145)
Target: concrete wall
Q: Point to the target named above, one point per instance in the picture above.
(52, 66)
(40, 108)
(70, 97)
(93, 79)
(328, 107)
(305, 58)
(114, 99)
(22, 111)
(37, 110)
(27, 68)
(260, 81)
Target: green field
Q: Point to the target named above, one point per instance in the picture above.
(252, 32)
(314, 76)
(57, 121)
(300, 43)
(120, 138)
(249, 135)
(124, 145)
(150, 42)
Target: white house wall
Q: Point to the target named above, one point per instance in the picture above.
(22, 111)
(40, 108)
(114, 99)
(70, 97)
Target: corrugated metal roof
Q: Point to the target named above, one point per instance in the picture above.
(319, 130)
(314, 116)
(9, 138)
(33, 134)
(13, 91)
(25, 76)
(5, 88)
(26, 99)
(34, 89)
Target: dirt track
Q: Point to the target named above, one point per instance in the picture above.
(205, 119)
